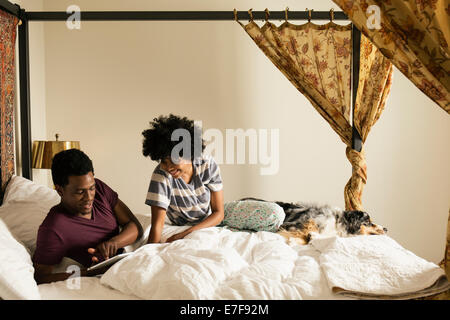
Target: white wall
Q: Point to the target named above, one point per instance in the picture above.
(105, 82)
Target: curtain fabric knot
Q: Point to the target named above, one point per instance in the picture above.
(354, 188)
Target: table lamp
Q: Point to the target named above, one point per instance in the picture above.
(43, 151)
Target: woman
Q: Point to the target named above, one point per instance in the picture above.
(187, 186)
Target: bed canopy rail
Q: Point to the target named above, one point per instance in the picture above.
(25, 17)
(182, 15)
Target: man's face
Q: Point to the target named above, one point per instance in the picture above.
(78, 195)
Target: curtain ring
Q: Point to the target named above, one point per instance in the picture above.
(235, 15)
(267, 14)
(250, 14)
(331, 15)
(286, 14)
(309, 14)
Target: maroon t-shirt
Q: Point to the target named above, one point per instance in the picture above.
(62, 234)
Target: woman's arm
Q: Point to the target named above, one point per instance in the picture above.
(158, 217)
(212, 220)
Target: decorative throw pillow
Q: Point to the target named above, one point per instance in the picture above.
(253, 215)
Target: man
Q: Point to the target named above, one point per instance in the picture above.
(89, 225)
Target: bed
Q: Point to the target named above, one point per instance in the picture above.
(214, 263)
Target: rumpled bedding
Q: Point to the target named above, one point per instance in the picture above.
(216, 263)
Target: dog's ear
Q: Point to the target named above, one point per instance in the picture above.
(364, 217)
(348, 216)
(288, 206)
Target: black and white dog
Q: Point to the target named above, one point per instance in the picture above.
(304, 220)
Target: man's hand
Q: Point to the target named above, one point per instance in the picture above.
(104, 250)
(178, 236)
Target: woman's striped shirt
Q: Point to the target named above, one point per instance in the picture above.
(185, 203)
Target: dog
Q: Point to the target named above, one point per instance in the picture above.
(304, 221)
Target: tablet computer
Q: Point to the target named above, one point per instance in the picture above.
(109, 262)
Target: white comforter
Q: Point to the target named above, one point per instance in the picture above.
(216, 263)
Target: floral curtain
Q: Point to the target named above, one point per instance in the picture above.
(317, 61)
(375, 79)
(7, 81)
(414, 35)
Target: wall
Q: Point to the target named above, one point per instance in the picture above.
(37, 85)
(106, 81)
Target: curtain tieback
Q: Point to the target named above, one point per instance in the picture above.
(354, 188)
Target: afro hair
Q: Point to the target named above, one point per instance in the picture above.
(158, 143)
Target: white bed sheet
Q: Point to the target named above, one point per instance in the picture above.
(88, 288)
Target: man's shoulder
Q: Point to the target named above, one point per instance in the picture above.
(102, 187)
(99, 183)
(55, 217)
(105, 194)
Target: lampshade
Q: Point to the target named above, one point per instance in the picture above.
(43, 151)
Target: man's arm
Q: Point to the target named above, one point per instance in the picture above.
(212, 220)
(44, 273)
(131, 227)
(50, 250)
(131, 232)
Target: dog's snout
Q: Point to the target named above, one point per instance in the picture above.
(384, 229)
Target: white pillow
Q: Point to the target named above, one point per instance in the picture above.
(25, 206)
(20, 188)
(16, 269)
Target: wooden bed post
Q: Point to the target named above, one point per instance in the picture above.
(356, 48)
(355, 154)
(24, 85)
(24, 81)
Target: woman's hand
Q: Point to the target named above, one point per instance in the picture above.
(212, 220)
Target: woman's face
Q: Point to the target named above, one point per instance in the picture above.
(176, 170)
